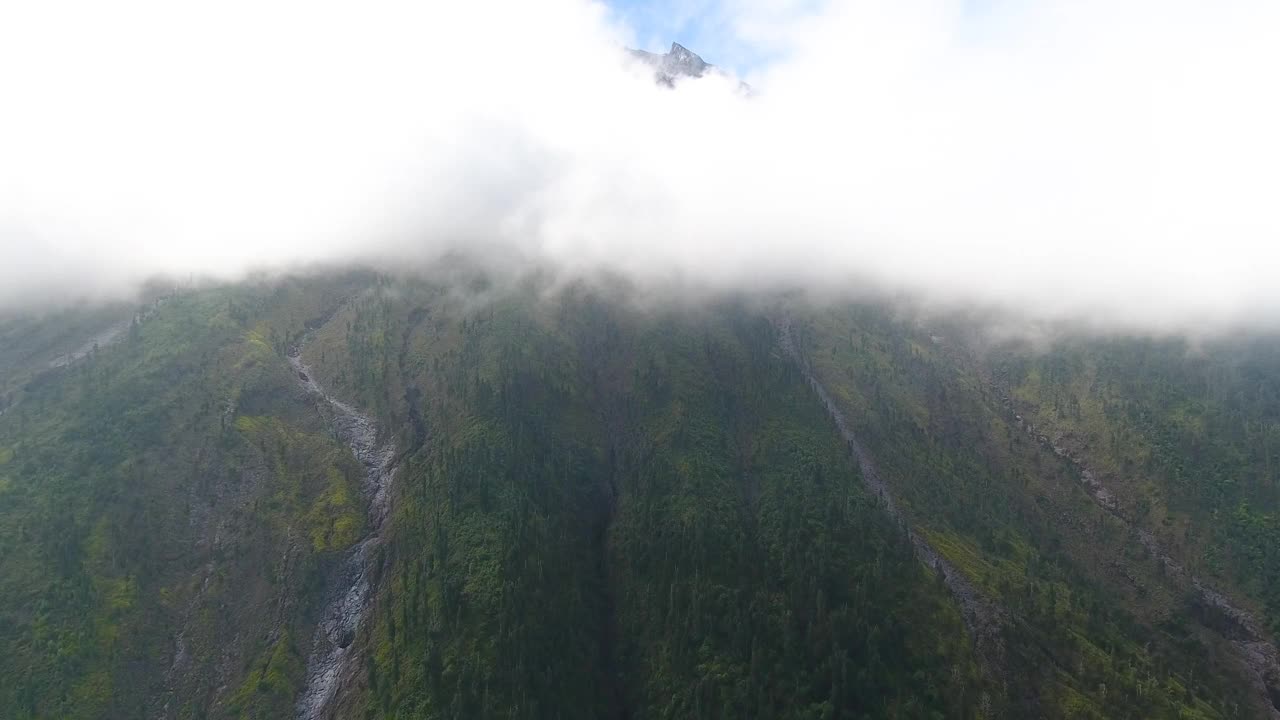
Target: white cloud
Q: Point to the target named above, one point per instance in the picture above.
(1115, 160)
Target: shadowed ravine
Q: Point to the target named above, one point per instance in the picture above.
(332, 661)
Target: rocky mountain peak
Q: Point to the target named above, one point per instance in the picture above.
(679, 62)
(685, 61)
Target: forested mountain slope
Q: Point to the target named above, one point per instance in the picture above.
(1101, 624)
(599, 504)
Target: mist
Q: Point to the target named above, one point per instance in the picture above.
(1111, 162)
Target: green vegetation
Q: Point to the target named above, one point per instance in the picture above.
(1096, 629)
(1187, 437)
(618, 512)
(606, 508)
(270, 686)
(142, 500)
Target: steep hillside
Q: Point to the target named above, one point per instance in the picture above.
(168, 499)
(616, 513)
(358, 496)
(1180, 442)
(1112, 626)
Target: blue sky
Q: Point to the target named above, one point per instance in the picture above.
(703, 26)
(656, 22)
(707, 26)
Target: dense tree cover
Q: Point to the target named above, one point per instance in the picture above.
(164, 501)
(1095, 629)
(607, 506)
(1187, 436)
(32, 343)
(752, 552)
(621, 514)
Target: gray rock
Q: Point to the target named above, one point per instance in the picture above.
(679, 62)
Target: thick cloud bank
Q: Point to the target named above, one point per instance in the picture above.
(1116, 160)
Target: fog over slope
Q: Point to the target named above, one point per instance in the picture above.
(1115, 161)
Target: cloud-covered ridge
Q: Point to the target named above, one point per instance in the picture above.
(1081, 158)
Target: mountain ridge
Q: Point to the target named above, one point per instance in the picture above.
(677, 63)
(612, 510)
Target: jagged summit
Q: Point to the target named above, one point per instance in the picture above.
(684, 61)
(676, 63)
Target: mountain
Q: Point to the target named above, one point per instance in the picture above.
(359, 496)
(457, 494)
(678, 62)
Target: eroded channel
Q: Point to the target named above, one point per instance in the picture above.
(332, 663)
